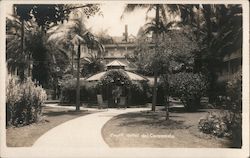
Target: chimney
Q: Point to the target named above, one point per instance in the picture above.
(125, 34)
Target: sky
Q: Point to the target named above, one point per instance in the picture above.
(111, 21)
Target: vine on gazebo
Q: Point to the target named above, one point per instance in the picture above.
(118, 77)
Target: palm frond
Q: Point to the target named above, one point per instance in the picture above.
(163, 12)
(132, 7)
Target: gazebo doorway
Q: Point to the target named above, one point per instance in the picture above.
(118, 96)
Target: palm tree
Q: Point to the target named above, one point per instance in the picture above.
(13, 43)
(157, 27)
(218, 30)
(20, 17)
(75, 33)
(43, 16)
(223, 36)
(92, 61)
(19, 60)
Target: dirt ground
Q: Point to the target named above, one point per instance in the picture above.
(26, 136)
(148, 129)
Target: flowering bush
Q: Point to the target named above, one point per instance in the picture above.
(189, 88)
(23, 101)
(217, 124)
(228, 123)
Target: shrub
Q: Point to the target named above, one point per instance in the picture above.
(234, 104)
(138, 93)
(24, 101)
(217, 124)
(88, 91)
(189, 88)
(234, 92)
(222, 124)
(228, 123)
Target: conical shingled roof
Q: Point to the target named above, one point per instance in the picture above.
(116, 63)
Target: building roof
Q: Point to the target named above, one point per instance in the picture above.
(116, 63)
(135, 77)
(132, 76)
(234, 55)
(96, 77)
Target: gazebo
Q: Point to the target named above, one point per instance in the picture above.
(117, 65)
(116, 90)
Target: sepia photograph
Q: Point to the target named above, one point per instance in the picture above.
(125, 79)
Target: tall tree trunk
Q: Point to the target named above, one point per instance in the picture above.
(154, 92)
(21, 71)
(199, 55)
(72, 64)
(167, 97)
(29, 66)
(157, 19)
(78, 79)
(167, 107)
(211, 74)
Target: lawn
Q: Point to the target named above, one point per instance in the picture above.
(150, 129)
(52, 116)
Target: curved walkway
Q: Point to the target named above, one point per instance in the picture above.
(83, 132)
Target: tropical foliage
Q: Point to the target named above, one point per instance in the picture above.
(234, 92)
(14, 55)
(176, 53)
(223, 124)
(189, 88)
(216, 124)
(88, 91)
(92, 62)
(218, 30)
(24, 101)
(156, 26)
(168, 40)
(137, 92)
(75, 33)
(25, 21)
(118, 77)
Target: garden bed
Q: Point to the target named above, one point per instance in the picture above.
(52, 116)
(149, 129)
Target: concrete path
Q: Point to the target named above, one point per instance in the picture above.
(82, 132)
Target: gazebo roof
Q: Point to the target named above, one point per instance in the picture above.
(96, 77)
(116, 63)
(135, 77)
(132, 76)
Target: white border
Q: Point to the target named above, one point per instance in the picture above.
(132, 152)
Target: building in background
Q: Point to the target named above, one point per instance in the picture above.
(232, 63)
(119, 48)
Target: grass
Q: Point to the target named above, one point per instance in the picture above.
(150, 129)
(27, 135)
